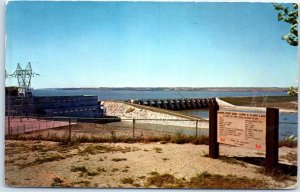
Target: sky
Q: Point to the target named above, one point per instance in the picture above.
(149, 44)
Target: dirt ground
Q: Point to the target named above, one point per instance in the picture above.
(120, 165)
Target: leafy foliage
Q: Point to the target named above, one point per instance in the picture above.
(292, 91)
(289, 15)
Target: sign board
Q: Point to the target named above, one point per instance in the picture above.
(242, 129)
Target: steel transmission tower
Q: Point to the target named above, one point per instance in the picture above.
(24, 79)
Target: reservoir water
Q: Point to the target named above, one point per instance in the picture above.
(126, 95)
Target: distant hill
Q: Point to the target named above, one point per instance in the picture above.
(241, 89)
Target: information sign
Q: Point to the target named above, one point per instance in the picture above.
(242, 129)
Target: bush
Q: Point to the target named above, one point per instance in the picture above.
(289, 141)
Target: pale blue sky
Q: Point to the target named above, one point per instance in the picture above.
(144, 44)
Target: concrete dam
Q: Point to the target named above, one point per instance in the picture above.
(177, 104)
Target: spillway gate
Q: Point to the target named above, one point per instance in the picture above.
(177, 104)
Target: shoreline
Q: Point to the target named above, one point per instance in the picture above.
(223, 104)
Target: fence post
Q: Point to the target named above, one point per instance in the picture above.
(133, 127)
(70, 133)
(196, 128)
(213, 144)
(272, 122)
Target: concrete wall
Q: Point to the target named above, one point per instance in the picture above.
(74, 106)
(127, 111)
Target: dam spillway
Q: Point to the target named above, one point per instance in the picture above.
(177, 104)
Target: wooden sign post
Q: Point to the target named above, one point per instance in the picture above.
(213, 124)
(249, 130)
(271, 162)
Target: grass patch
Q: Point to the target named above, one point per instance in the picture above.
(9, 161)
(40, 160)
(127, 180)
(82, 183)
(119, 159)
(99, 169)
(163, 181)
(215, 181)
(178, 138)
(288, 143)
(83, 171)
(40, 148)
(56, 181)
(96, 149)
(79, 169)
(158, 149)
(130, 181)
(277, 175)
(114, 170)
(51, 157)
(22, 158)
(291, 157)
(205, 181)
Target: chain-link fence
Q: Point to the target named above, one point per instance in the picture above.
(71, 127)
(74, 127)
(19, 125)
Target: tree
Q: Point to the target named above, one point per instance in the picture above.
(292, 91)
(289, 15)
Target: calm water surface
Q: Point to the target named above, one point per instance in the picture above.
(126, 95)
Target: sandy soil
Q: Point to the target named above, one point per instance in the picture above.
(43, 164)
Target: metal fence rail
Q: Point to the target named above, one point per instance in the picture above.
(101, 127)
(104, 127)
